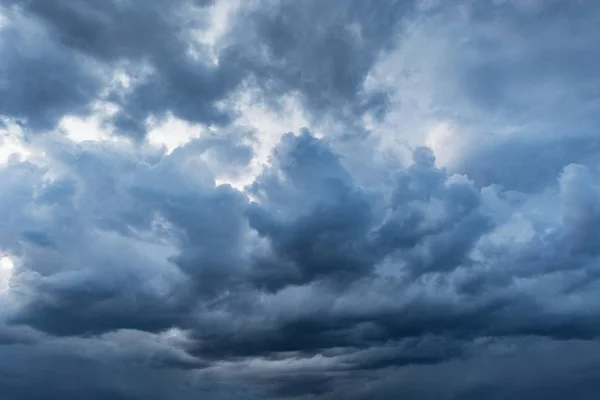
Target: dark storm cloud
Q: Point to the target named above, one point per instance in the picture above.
(133, 274)
(439, 249)
(325, 231)
(40, 79)
(128, 365)
(131, 36)
(115, 29)
(518, 369)
(106, 200)
(321, 224)
(118, 288)
(322, 51)
(525, 164)
(146, 245)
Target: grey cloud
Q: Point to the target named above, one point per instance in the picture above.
(138, 31)
(526, 164)
(507, 308)
(519, 74)
(427, 232)
(207, 281)
(151, 244)
(102, 262)
(322, 224)
(516, 79)
(580, 200)
(123, 366)
(116, 199)
(39, 238)
(137, 276)
(323, 51)
(512, 369)
(325, 231)
(41, 80)
(156, 37)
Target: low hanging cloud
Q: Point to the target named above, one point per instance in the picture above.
(357, 262)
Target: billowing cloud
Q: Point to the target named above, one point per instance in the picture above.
(356, 262)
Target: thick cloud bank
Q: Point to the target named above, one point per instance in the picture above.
(391, 199)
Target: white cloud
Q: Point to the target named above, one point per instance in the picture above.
(11, 144)
(6, 269)
(3, 19)
(83, 128)
(173, 133)
(441, 139)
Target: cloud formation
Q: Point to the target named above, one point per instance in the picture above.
(432, 233)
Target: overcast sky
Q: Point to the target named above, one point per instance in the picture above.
(299, 199)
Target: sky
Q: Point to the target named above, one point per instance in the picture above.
(299, 199)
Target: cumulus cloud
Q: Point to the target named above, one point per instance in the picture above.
(355, 262)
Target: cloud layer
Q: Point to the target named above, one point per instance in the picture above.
(397, 199)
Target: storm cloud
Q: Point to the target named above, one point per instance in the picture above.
(299, 199)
